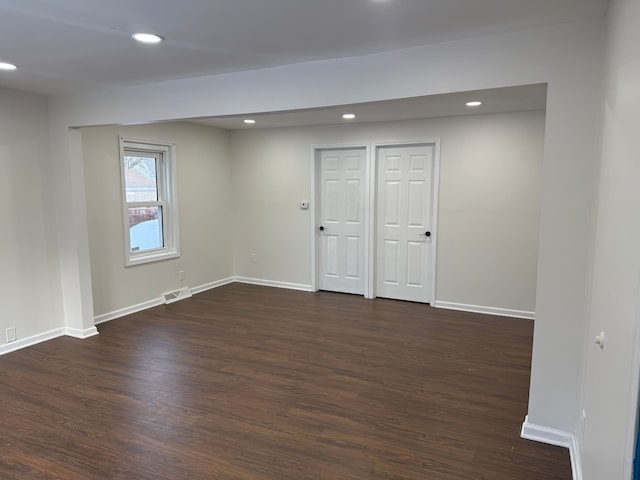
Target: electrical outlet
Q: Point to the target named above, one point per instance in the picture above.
(181, 275)
(11, 334)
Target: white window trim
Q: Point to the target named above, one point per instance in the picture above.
(166, 189)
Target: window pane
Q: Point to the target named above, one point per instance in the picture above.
(145, 228)
(141, 181)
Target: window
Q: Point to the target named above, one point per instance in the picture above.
(149, 201)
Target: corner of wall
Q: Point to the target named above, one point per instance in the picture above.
(558, 438)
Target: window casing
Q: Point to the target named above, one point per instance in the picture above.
(150, 212)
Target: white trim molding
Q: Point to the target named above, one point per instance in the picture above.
(106, 317)
(274, 283)
(30, 341)
(90, 332)
(164, 155)
(82, 334)
(503, 312)
(559, 438)
(122, 312)
(634, 403)
(211, 285)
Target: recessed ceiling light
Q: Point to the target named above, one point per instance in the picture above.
(8, 66)
(473, 104)
(147, 37)
(349, 116)
(249, 121)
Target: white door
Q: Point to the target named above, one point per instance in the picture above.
(341, 220)
(404, 219)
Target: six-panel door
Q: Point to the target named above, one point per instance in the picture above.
(404, 221)
(341, 227)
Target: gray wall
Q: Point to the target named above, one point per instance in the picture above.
(30, 282)
(230, 187)
(488, 214)
(610, 389)
(203, 184)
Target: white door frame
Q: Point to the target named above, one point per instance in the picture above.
(634, 404)
(315, 212)
(373, 212)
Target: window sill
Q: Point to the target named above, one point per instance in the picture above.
(150, 258)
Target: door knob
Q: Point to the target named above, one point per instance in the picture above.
(321, 228)
(426, 234)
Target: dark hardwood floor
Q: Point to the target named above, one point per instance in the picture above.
(255, 383)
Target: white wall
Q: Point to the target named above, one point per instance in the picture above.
(30, 284)
(568, 57)
(203, 185)
(610, 388)
(489, 202)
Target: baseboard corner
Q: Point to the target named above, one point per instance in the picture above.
(559, 438)
(81, 334)
(212, 285)
(576, 464)
(274, 283)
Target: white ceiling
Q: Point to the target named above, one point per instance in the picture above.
(68, 45)
(497, 100)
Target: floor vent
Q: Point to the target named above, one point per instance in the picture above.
(176, 295)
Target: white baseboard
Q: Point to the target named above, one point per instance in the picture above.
(122, 312)
(105, 317)
(548, 435)
(82, 334)
(576, 465)
(33, 340)
(209, 286)
(503, 312)
(273, 283)
(555, 437)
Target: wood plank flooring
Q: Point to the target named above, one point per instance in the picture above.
(255, 383)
